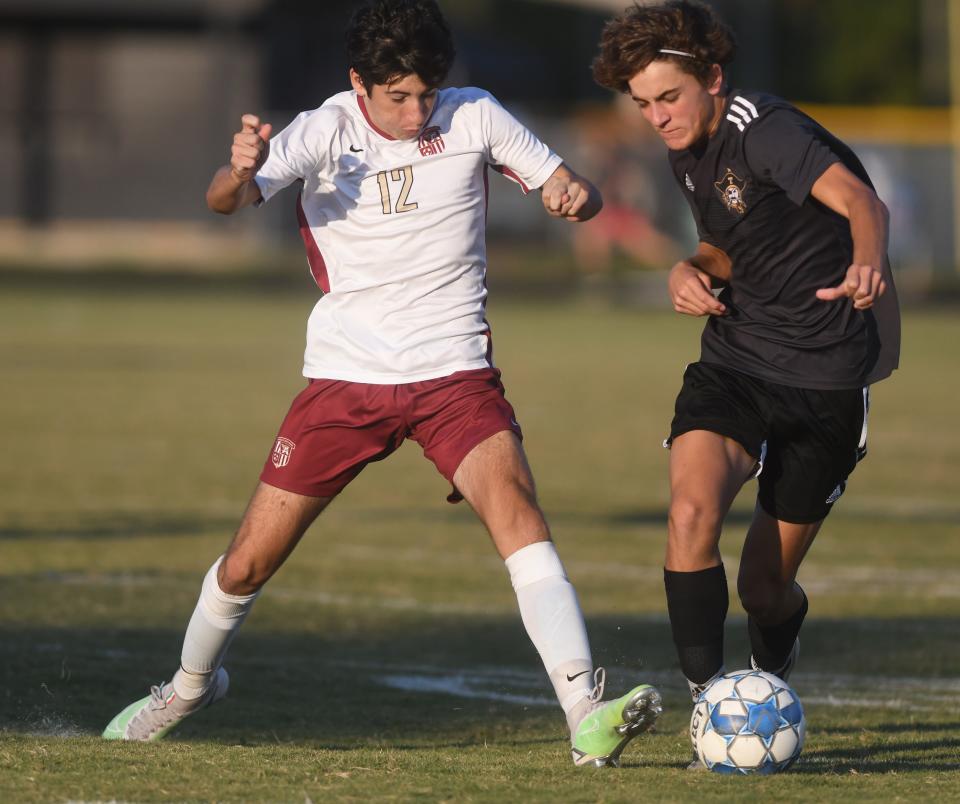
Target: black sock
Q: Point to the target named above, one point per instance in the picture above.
(771, 644)
(697, 603)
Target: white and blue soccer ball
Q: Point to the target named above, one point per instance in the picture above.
(748, 721)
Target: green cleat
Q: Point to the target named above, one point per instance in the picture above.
(152, 717)
(605, 731)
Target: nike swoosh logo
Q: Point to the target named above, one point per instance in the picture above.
(576, 675)
(355, 150)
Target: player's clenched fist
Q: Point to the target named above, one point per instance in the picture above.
(567, 195)
(251, 147)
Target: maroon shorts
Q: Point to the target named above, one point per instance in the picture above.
(334, 428)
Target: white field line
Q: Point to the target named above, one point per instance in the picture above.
(835, 689)
(461, 685)
(470, 685)
(933, 697)
(817, 578)
(863, 581)
(384, 602)
(878, 581)
(529, 687)
(321, 598)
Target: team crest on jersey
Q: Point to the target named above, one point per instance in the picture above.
(431, 143)
(282, 451)
(732, 190)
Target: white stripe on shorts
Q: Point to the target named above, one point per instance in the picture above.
(866, 413)
(761, 459)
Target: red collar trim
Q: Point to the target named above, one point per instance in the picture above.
(380, 131)
(374, 126)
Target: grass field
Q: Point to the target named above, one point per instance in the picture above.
(386, 660)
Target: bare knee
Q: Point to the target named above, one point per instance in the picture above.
(242, 574)
(516, 508)
(513, 519)
(508, 503)
(273, 523)
(693, 518)
(694, 532)
(516, 524)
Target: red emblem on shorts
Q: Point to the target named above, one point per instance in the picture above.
(282, 451)
(431, 143)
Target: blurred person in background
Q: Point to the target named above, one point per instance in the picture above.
(791, 230)
(625, 168)
(392, 212)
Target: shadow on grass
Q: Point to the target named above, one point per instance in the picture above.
(344, 690)
(902, 728)
(907, 755)
(875, 755)
(385, 685)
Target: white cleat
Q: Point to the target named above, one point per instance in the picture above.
(152, 717)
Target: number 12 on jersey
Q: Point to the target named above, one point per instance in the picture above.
(405, 175)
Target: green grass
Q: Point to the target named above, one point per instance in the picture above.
(135, 422)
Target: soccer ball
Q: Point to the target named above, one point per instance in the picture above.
(748, 722)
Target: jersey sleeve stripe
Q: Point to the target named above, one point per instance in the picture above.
(505, 171)
(744, 102)
(318, 266)
(736, 121)
(742, 112)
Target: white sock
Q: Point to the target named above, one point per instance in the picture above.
(215, 621)
(551, 614)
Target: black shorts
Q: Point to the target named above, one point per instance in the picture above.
(806, 442)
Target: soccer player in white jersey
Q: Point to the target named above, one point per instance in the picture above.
(392, 212)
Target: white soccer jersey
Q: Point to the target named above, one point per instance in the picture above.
(395, 231)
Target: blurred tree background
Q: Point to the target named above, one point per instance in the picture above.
(849, 51)
(90, 89)
(898, 54)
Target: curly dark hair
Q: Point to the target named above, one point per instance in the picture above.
(631, 41)
(388, 39)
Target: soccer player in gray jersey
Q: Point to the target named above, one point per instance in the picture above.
(792, 231)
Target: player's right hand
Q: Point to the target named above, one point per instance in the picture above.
(690, 291)
(251, 147)
(862, 283)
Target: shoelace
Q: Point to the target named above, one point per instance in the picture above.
(599, 680)
(696, 690)
(157, 699)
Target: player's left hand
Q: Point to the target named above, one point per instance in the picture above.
(863, 283)
(567, 195)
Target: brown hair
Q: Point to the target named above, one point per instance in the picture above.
(631, 41)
